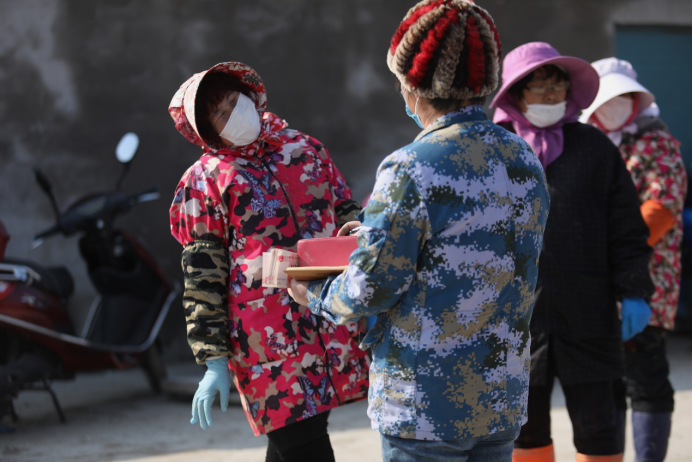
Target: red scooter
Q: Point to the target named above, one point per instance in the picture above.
(38, 342)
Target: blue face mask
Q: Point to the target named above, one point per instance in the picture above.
(413, 115)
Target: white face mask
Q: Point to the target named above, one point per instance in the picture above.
(615, 112)
(544, 115)
(243, 126)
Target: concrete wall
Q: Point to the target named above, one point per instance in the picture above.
(75, 75)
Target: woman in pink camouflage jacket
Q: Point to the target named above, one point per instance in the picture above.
(259, 184)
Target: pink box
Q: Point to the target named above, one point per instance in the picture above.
(326, 251)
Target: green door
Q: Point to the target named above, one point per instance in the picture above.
(662, 58)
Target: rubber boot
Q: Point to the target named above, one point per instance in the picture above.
(651, 435)
(542, 454)
(620, 416)
(586, 458)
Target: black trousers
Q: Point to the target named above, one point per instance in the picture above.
(646, 382)
(591, 409)
(302, 441)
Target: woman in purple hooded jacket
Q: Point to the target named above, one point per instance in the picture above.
(595, 252)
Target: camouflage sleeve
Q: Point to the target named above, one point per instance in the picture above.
(206, 272)
(664, 173)
(347, 211)
(395, 228)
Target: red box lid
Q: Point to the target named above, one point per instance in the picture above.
(326, 251)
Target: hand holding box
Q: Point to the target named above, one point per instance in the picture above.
(274, 264)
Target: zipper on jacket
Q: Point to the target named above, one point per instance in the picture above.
(286, 196)
(328, 367)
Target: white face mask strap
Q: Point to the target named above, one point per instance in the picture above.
(416, 105)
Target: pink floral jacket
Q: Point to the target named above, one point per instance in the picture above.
(230, 207)
(655, 164)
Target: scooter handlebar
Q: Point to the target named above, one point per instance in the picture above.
(148, 194)
(77, 218)
(145, 195)
(40, 237)
(124, 204)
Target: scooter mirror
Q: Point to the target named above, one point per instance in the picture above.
(42, 181)
(48, 189)
(127, 147)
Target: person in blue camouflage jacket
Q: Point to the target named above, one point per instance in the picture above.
(448, 251)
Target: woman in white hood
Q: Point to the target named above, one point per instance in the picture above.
(626, 111)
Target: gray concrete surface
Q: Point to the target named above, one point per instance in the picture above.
(113, 416)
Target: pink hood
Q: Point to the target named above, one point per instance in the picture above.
(182, 110)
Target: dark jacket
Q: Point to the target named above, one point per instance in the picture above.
(595, 253)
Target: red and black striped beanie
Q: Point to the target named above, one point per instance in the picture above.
(446, 49)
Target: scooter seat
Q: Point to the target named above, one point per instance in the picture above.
(56, 279)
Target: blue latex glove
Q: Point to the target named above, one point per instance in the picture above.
(216, 379)
(635, 316)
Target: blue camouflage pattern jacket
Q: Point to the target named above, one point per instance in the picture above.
(447, 259)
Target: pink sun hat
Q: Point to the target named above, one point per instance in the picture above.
(584, 80)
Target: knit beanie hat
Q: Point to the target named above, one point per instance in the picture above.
(446, 49)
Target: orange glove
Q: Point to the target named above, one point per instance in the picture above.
(658, 218)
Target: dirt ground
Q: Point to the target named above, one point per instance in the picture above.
(114, 417)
